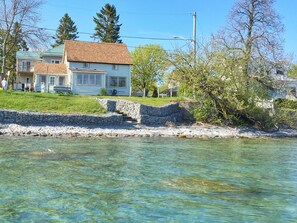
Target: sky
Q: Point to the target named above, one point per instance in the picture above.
(162, 19)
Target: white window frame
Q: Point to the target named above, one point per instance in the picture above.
(54, 80)
(85, 79)
(117, 81)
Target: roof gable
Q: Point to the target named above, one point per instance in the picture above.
(28, 55)
(56, 51)
(90, 52)
(48, 68)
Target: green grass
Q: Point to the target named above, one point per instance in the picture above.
(145, 100)
(45, 102)
(66, 104)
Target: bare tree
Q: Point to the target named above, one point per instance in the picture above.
(254, 29)
(25, 14)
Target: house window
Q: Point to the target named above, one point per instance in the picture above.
(117, 82)
(43, 79)
(85, 79)
(26, 66)
(56, 61)
(61, 81)
(122, 82)
(98, 79)
(79, 79)
(86, 65)
(113, 82)
(28, 80)
(52, 80)
(92, 79)
(115, 67)
(89, 79)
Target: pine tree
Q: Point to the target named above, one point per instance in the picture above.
(107, 25)
(66, 30)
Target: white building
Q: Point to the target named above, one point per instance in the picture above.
(86, 68)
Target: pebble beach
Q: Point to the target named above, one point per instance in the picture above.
(192, 131)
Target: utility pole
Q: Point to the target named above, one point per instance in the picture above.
(194, 34)
(194, 48)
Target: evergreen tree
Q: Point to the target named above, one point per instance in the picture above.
(66, 30)
(107, 25)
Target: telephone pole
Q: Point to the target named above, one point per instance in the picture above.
(194, 33)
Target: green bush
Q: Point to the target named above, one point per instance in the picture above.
(103, 92)
(285, 103)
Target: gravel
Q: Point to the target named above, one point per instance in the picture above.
(197, 131)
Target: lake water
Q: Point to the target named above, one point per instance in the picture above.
(147, 180)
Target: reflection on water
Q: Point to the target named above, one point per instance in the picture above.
(147, 180)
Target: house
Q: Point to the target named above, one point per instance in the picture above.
(86, 68)
(26, 61)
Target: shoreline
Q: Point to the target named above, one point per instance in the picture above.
(182, 131)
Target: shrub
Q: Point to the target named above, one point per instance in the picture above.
(103, 92)
(285, 103)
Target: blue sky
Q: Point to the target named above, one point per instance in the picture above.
(162, 19)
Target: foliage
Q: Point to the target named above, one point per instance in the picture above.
(285, 103)
(219, 84)
(24, 13)
(232, 71)
(45, 102)
(149, 65)
(103, 91)
(293, 71)
(107, 25)
(287, 117)
(254, 32)
(19, 44)
(145, 100)
(66, 31)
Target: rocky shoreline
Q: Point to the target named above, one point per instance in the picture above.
(193, 131)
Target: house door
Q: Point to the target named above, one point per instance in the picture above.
(52, 83)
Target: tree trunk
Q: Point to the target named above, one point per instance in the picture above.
(4, 56)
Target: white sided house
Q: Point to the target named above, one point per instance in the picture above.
(86, 68)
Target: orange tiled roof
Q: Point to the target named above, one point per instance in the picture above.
(109, 53)
(49, 68)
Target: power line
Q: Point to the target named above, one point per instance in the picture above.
(121, 36)
(125, 12)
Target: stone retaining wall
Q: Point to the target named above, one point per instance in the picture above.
(145, 114)
(28, 118)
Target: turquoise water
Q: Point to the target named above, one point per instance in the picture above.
(147, 180)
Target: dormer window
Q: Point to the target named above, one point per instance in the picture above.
(115, 66)
(86, 65)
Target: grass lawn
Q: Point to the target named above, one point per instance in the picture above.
(45, 102)
(66, 104)
(145, 100)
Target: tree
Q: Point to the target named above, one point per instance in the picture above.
(107, 25)
(254, 30)
(234, 72)
(218, 82)
(24, 13)
(149, 65)
(293, 71)
(11, 55)
(66, 31)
